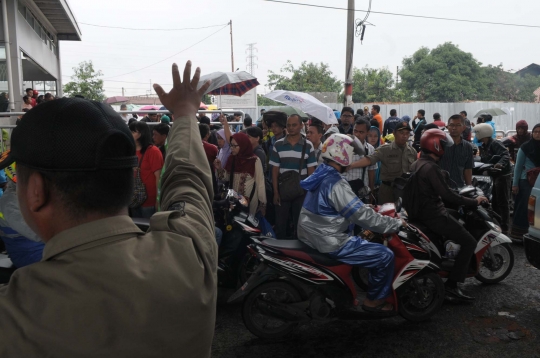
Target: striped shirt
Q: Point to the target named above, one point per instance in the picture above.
(356, 173)
(287, 157)
(456, 159)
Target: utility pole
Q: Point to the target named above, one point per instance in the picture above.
(251, 58)
(349, 53)
(122, 91)
(232, 54)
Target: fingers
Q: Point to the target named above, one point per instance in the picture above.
(159, 91)
(196, 77)
(175, 76)
(204, 87)
(187, 73)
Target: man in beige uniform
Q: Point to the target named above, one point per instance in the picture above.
(104, 288)
(396, 158)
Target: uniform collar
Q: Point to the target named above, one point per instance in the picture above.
(395, 146)
(94, 233)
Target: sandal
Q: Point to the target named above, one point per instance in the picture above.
(379, 309)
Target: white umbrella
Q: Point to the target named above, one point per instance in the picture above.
(306, 103)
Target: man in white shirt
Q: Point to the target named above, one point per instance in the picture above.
(314, 135)
(362, 180)
(125, 116)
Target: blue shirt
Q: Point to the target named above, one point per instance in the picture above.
(523, 163)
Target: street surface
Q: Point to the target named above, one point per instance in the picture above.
(503, 322)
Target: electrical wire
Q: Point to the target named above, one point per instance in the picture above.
(406, 15)
(165, 59)
(136, 29)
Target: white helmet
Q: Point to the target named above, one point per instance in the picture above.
(483, 130)
(338, 148)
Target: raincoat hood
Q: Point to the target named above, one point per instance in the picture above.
(322, 172)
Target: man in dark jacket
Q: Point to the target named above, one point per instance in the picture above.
(391, 123)
(494, 152)
(432, 190)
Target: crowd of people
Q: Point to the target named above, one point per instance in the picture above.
(288, 144)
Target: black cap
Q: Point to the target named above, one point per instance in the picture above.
(403, 125)
(69, 134)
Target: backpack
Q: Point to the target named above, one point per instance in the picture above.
(408, 189)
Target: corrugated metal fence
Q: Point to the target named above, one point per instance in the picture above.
(517, 110)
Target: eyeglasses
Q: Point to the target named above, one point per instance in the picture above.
(234, 146)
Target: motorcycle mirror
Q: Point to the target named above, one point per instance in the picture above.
(475, 182)
(399, 205)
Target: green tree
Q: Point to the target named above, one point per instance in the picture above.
(263, 101)
(309, 77)
(504, 86)
(85, 82)
(444, 74)
(373, 85)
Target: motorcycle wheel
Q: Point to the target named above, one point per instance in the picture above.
(421, 298)
(263, 325)
(494, 272)
(360, 277)
(248, 266)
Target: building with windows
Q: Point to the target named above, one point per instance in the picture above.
(30, 37)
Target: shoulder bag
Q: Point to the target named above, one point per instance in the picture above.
(139, 192)
(289, 182)
(532, 175)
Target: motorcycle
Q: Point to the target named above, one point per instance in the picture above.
(493, 258)
(235, 264)
(294, 283)
(484, 172)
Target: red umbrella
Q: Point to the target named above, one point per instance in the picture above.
(229, 83)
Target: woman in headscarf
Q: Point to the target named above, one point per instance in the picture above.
(528, 157)
(223, 139)
(521, 137)
(248, 176)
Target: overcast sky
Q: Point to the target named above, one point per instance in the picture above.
(287, 32)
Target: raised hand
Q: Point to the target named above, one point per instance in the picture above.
(183, 99)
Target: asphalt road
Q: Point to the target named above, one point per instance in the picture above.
(503, 322)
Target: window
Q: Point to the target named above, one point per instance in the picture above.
(30, 18)
(46, 36)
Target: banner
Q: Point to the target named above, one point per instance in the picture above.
(248, 100)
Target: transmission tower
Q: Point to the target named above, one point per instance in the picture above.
(251, 57)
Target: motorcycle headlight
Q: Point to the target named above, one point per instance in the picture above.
(494, 227)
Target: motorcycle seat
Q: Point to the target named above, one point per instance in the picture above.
(430, 234)
(318, 257)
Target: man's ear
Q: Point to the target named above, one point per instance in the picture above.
(37, 193)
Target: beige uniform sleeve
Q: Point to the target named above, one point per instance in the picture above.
(376, 157)
(186, 186)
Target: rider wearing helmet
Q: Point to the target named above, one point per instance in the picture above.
(432, 190)
(331, 206)
(501, 182)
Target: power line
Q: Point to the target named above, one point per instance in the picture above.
(165, 59)
(132, 28)
(406, 15)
